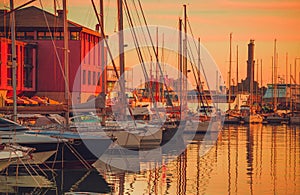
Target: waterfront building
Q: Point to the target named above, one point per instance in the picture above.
(44, 32)
(287, 95)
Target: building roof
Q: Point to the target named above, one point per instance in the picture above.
(33, 17)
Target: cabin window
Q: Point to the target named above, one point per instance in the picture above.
(44, 36)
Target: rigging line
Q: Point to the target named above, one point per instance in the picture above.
(191, 56)
(140, 56)
(156, 56)
(53, 44)
(135, 41)
(110, 55)
(78, 156)
(198, 85)
(28, 171)
(201, 65)
(195, 45)
(143, 31)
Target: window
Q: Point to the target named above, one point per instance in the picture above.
(89, 77)
(94, 78)
(98, 79)
(20, 35)
(83, 77)
(25, 35)
(44, 36)
(9, 53)
(58, 35)
(29, 35)
(74, 35)
(9, 75)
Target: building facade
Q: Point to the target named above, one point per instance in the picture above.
(44, 30)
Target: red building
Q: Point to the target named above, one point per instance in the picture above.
(25, 73)
(44, 30)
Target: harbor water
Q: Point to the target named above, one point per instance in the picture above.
(246, 159)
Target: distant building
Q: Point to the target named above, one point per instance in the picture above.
(287, 95)
(44, 31)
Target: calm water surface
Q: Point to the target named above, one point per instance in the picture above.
(255, 159)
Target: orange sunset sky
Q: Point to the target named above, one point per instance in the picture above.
(213, 21)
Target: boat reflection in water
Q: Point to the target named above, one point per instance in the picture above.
(247, 159)
(56, 183)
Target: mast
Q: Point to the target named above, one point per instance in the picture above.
(185, 57)
(291, 95)
(66, 62)
(180, 59)
(256, 89)
(198, 71)
(103, 75)
(163, 65)
(275, 76)
(261, 82)
(121, 57)
(13, 58)
(156, 71)
(237, 76)
(273, 89)
(286, 80)
(251, 77)
(229, 79)
(237, 69)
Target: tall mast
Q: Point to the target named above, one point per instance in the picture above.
(199, 64)
(261, 81)
(13, 58)
(237, 69)
(199, 87)
(66, 61)
(103, 75)
(229, 79)
(273, 88)
(163, 65)
(275, 76)
(291, 95)
(286, 81)
(121, 57)
(256, 89)
(185, 57)
(180, 59)
(251, 77)
(156, 70)
(237, 76)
